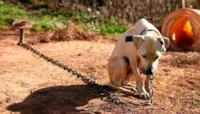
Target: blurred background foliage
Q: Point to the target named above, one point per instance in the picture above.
(101, 16)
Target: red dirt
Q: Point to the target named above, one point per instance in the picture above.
(30, 85)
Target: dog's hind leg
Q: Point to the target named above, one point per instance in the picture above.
(128, 77)
(117, 69)
(126, 82)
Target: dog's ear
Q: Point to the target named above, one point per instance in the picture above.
(167, 42)
(138, 39)
(164, 41)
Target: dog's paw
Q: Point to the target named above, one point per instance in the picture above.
(144, 95)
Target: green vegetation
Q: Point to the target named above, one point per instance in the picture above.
(111, 26)
(52, 21)
(48, 22)
(9, 13)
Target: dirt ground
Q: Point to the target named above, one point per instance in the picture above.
(31, 85)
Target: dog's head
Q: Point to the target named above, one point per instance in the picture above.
(150, 49)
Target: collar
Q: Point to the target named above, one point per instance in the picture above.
(130, 38)
(146, 30)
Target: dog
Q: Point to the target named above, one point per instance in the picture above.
(137, 51)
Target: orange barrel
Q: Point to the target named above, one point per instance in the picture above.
(183, 28)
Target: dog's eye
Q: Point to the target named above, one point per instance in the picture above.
(144, 56)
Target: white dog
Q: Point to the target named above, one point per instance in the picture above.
(137, 50)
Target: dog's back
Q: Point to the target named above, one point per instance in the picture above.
(140, 27)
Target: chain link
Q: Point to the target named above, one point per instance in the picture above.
(151, 91)
(104, 89)
(150, 101)
(150, 83)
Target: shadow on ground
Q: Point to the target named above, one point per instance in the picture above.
(53, 100)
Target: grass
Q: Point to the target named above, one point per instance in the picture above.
(48, 22)
(9, 13)
(103, 26)
(52, 21)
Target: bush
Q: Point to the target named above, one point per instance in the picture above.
(48, 22)
(45, 20)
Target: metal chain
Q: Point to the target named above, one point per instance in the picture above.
(150, 100)
(111, 97)
(151, 91)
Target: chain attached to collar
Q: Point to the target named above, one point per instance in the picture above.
(150, 100)
(151, 91)
(104, 89)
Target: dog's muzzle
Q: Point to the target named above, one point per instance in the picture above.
(149, 71)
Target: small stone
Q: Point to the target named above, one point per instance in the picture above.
(171, 96)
